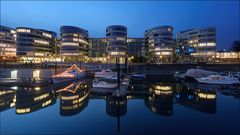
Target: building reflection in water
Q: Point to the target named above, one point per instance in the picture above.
(160, 99)
(116, 107)
(7, 99)
(199, 99)
(30, 99)
(73, 98)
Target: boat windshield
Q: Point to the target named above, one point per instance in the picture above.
(110, 80)
(217, 78)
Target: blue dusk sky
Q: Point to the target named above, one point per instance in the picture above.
(138, 16)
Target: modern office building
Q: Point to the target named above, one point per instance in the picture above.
(98, 47)
(159, 44)
(136, 49)
(116, 37)
(35, 45)
(197, 44)
(7, 43)
(74, 43)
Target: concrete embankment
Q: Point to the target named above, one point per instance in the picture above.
(169, 69)
(151, 69)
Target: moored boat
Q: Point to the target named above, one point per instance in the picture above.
(72, 73)
(105, 83)
(218, 79)
(105, 73)
(191, 74)
(138, 77)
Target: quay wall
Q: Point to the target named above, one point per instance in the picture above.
(28, 73)
(151, 69)
(170, 69)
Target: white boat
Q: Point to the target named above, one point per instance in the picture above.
(72, 73)
(138, 76)
(105, 83)
(105, 73)
(234, 74)
(197, 73)
(218, 79)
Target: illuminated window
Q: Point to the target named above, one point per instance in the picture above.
(36, 74)
(41, 42)
(14, 74)
(69, 44)
(24, 30)
(47, 35)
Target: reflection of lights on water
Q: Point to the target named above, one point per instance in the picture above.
(69, 97)
(24, 110)
(80, 99)
(158, 92)
(5, 92)
(14, 87)
(162, 90)
(46, 103)
(163, 87)
(41, 97)
(177, 96)
(37, 88)
(129, 97)
(190, 96)
(206, 96)
(12, 104)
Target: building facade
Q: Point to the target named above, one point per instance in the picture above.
(116, 38)
(35, 45)
(98, 47)
(197, 44)
(7, 43)
(159, 44)
(74, 43)
(136, 49)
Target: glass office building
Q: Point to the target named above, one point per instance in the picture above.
(159, 44)
(74, 43)
(35, 45)
(116, 37)
(197, 44)
(7, 43)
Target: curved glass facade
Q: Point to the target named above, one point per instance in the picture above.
(159, 43)
(35, 42)
(7, 43)
(198, 42)
(74, 41)
(116, 36)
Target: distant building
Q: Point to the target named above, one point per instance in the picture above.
(197, 44)
(136, 48)
(159, 44)
(98, 47)
(35, 45)
(74, 43)
(116, 36)
(7, 43)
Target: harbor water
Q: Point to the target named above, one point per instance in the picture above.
(152, 106)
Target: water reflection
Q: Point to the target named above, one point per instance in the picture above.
(116, 107)
(159, 97)
(29, 99)
(7, 99)
(73, 98)
(203, 100)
